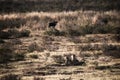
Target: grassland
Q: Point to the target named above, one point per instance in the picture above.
(29, 50)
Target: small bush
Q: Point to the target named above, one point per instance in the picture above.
(52, 31)
(117, 37)
(116, 30)
(71, 32)
(34, 56)
(102, 67)
(86, 30)
(24, 33)
(112, 50)
(18, 57)
(96, 29)
(34, 47)
(10, 77)
(7, 55)
(103, 29)
(58, 59)
(14, 33)
(110, 47)
(86, 54)
(4, 35)
(83, 30)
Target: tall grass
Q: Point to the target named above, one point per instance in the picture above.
(8, 55)
(73, 23)
(10, 77)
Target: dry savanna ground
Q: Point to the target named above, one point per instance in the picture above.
(84, 45)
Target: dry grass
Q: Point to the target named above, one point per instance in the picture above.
(47, 51)
(70, 22)
(10, 77)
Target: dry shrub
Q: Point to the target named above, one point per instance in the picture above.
(86, 29)
(35, 47)
(58, 59)
(37, 22)
(103, 67)
(7, 55)
(85, 54)
(24, 33)
(117, 37)
(112, 50)
(116, 30)
(48, 38)
(15, 41)
(115, 54)
(4, 35)
(69, 23)
(83, 30)
(15, 33)
(12, 22)
(10, 77)
(103, 29)
(18, 56)
(34, 56)
(71, 32)
(53, 32)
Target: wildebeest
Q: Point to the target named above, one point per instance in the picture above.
(68, 60)
(72, 60)
(52, 24)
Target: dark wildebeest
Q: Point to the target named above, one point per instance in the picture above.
(52, 24)
(68, 60)
(76, 61)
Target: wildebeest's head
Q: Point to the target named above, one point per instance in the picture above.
(53, 24)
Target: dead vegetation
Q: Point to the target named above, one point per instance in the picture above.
(10, 77)
(82, 43)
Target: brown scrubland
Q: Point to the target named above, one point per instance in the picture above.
(79, 41)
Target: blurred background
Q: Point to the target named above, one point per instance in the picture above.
(7, 6)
